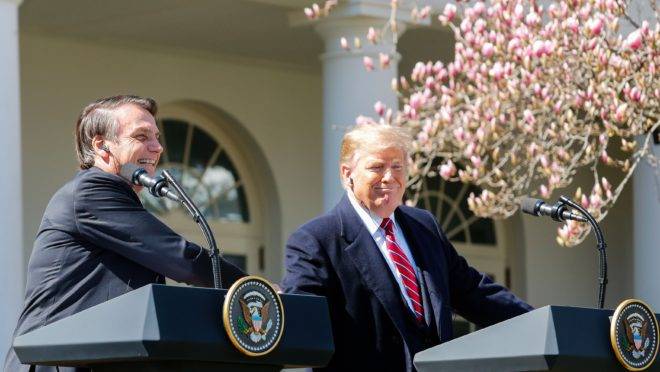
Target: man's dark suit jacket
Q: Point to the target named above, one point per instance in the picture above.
(335, 256)
(97, 242)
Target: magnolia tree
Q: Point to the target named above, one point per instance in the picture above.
(533, 94)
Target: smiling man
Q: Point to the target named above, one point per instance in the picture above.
(389, 273)
(96, 241)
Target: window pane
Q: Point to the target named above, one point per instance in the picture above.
(201, 150)
(230, 206)
(175, 138)
(454, 215)
(217, 190)
(482, 231)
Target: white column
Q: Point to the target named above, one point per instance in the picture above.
(11, 218)
(646, 238)
(349, 90)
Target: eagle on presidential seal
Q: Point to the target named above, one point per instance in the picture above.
(256, 316)
(636, 334)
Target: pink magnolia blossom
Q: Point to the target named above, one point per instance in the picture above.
(572, 24)
(487, 49)
(379, 107)
(529, 117)
(479, 8)
(595, 26)
(459, 134)
(449, 12)
(634, 40)
(447, 170)
(604, 157)
(620, 113)
(364, 120)
(584, 201)
(371, 35)
(606, 184)
(422, 137)
(476, 160)
(544, 191)
(496, 72)
(309, 13)
(384, 60)
(595, 201)
(563, 234)
(519, 11)
(417, 100)
(424, 12)
(635, 94)
(541, 47)
(532, 19)
(344, 43)
(469, 150)
(479, 25)
(368, 63)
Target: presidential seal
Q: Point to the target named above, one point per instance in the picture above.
(634, 335)
(253, 316)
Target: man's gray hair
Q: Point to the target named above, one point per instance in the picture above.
(374, 137)
(99, 119)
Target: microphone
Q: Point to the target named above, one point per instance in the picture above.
(559, 212)
(139, 176)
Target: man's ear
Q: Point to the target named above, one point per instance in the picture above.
(346, 171)
(99, 146)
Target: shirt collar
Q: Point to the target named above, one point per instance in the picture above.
(370, 219)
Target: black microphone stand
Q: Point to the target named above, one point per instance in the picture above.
(198, 217)
(601, 246)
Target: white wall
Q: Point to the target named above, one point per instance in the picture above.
(280, 108)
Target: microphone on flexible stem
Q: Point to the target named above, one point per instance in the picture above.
(157, 186)
(559, 212)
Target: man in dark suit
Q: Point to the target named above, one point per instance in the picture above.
(96, 241)
(391, 277)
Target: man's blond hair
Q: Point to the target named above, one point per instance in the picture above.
(373, 137)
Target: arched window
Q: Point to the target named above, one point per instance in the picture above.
(205, 170)
(448, 202)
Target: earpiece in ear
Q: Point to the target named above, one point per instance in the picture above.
(350, 182)
(105, 148)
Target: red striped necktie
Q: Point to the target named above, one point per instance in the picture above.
(403, 267)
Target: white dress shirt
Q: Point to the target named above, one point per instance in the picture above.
(372, 222)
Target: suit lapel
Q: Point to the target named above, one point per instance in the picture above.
(371, 265)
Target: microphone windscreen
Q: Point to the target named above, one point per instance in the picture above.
(528, 205)
(127, 172)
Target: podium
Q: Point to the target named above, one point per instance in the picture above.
(557, 338)
(167, 328)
